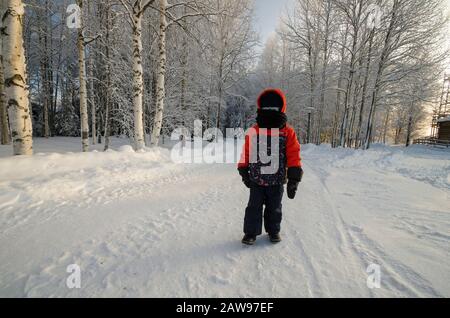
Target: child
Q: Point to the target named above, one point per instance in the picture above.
(266, 189)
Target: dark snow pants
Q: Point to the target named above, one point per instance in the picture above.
(271, 198)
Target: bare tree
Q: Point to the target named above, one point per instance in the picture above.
(303, 32)
(410, 26)
(365, 65)
(354, 12)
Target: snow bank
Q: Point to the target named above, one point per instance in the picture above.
(431, 165)
(63, 177)
(52, 165)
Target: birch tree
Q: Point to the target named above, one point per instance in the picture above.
(326, 21)
(339, 89)
(168, 18)
(91, 89)
(45, 70)
(161, 75)
(83, 87)
(4, 125)
(107, 63)
(364, 90)
(16, 88)
(135, 10)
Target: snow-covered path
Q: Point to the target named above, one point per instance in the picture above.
(141, 226)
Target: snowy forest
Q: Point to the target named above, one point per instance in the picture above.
(354, 71)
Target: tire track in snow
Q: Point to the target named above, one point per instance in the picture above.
(401, 278)
(313, 282)
(414, 285)
(335, 224)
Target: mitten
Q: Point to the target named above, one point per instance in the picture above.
(245, 177)
(292, 189)
(295, 175)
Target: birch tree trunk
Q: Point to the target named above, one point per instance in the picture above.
(45, 89)
(283, 65)
(409, 131)
(16, 89)
(339, 92)
(411, 115)
(4, 126)
(356, 93)
(6, 139)
(364, 91)
(108, 112)
(220, 94)
(83, 89)
(107, 123)
(138, 80)
(345, 120)
(386, 122)
(91, 91)
(49, 68)
(312, 64)
(92, 100)
(58, 74)
(327, 12)
(184, 63)
(160, 88)
(45, 70)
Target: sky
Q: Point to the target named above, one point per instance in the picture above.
(267, 14)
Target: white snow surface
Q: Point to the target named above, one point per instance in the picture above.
(139, 225)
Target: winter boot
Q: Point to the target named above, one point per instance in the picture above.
(249, 239)
(275, 238)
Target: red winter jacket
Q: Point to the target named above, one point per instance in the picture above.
(289, 150)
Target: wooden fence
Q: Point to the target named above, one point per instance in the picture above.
(432, 142)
